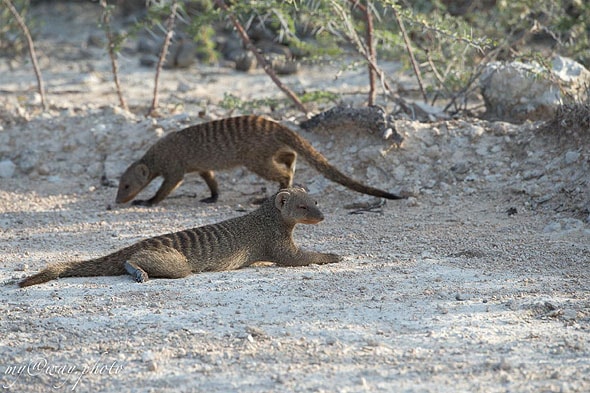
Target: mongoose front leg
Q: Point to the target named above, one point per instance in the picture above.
(209, 178)
(168, 185)
(304, 258)
(159, 263)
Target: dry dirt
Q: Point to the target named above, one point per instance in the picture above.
(479, 283)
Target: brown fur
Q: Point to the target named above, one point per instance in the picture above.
(266, 234)
(265, 147)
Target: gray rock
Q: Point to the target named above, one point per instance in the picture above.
(182, 54)
(571, 157)
(7, 169)
(246, 61)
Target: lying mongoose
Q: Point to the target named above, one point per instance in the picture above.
(266, 234)
(266, 147)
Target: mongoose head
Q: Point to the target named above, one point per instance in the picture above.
(135, 178)
(297, 207)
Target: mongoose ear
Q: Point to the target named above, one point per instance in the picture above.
(142, 171)
(281, 199)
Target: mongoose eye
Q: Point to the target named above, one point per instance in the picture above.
(303, 207)
(126, 186)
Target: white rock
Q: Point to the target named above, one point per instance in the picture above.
(517, 91)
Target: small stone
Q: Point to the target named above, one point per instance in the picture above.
(7, 169)
(151, 365)
(504, 365)
(150, 360)
(552, 227)
(23, 267)
(462, 297)
(254, 331)
(246, 61)
(183, 87)
(95, 39)
(571, 157)
(43, 170)
(569, 314)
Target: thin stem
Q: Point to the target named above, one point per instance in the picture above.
(32, 54)
(112, 54)
(163, 53)
(415, 67)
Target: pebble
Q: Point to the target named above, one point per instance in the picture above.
(28, 161)
(569, 314)
(571, 157)
(462, 297)
(149, 359)
(7, 169)
(246, 61)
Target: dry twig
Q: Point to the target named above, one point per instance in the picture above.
(261, 60)
(163, 53)
(23, 26)
(369, 46)
(106, 16)
(408, 44)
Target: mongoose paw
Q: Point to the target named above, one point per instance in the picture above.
(211, 199)
(331, 258)
(141, 202)
(140, 276)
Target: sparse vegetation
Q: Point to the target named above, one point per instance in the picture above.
(444, 43)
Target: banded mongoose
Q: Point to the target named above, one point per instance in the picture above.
(265, 234)
(265, 147)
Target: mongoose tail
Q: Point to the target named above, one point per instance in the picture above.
(103, 266)
(265, 234)
(321, 164)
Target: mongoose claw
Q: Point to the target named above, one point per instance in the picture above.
(211, 199)
(141, 202)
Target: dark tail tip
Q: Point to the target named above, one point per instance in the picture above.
(384, 194)
(25, 283)
(35, 279)
(388, 195)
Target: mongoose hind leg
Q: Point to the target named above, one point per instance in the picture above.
(161, 263)
(209, 178)
(280, 167)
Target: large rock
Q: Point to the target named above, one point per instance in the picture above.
(517, 91)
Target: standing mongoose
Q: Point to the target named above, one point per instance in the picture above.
(266, 147)
(265, 234)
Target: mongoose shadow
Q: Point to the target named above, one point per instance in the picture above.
(265, 234)
(265, 147)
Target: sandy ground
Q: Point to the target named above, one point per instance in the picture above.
(479, 283)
